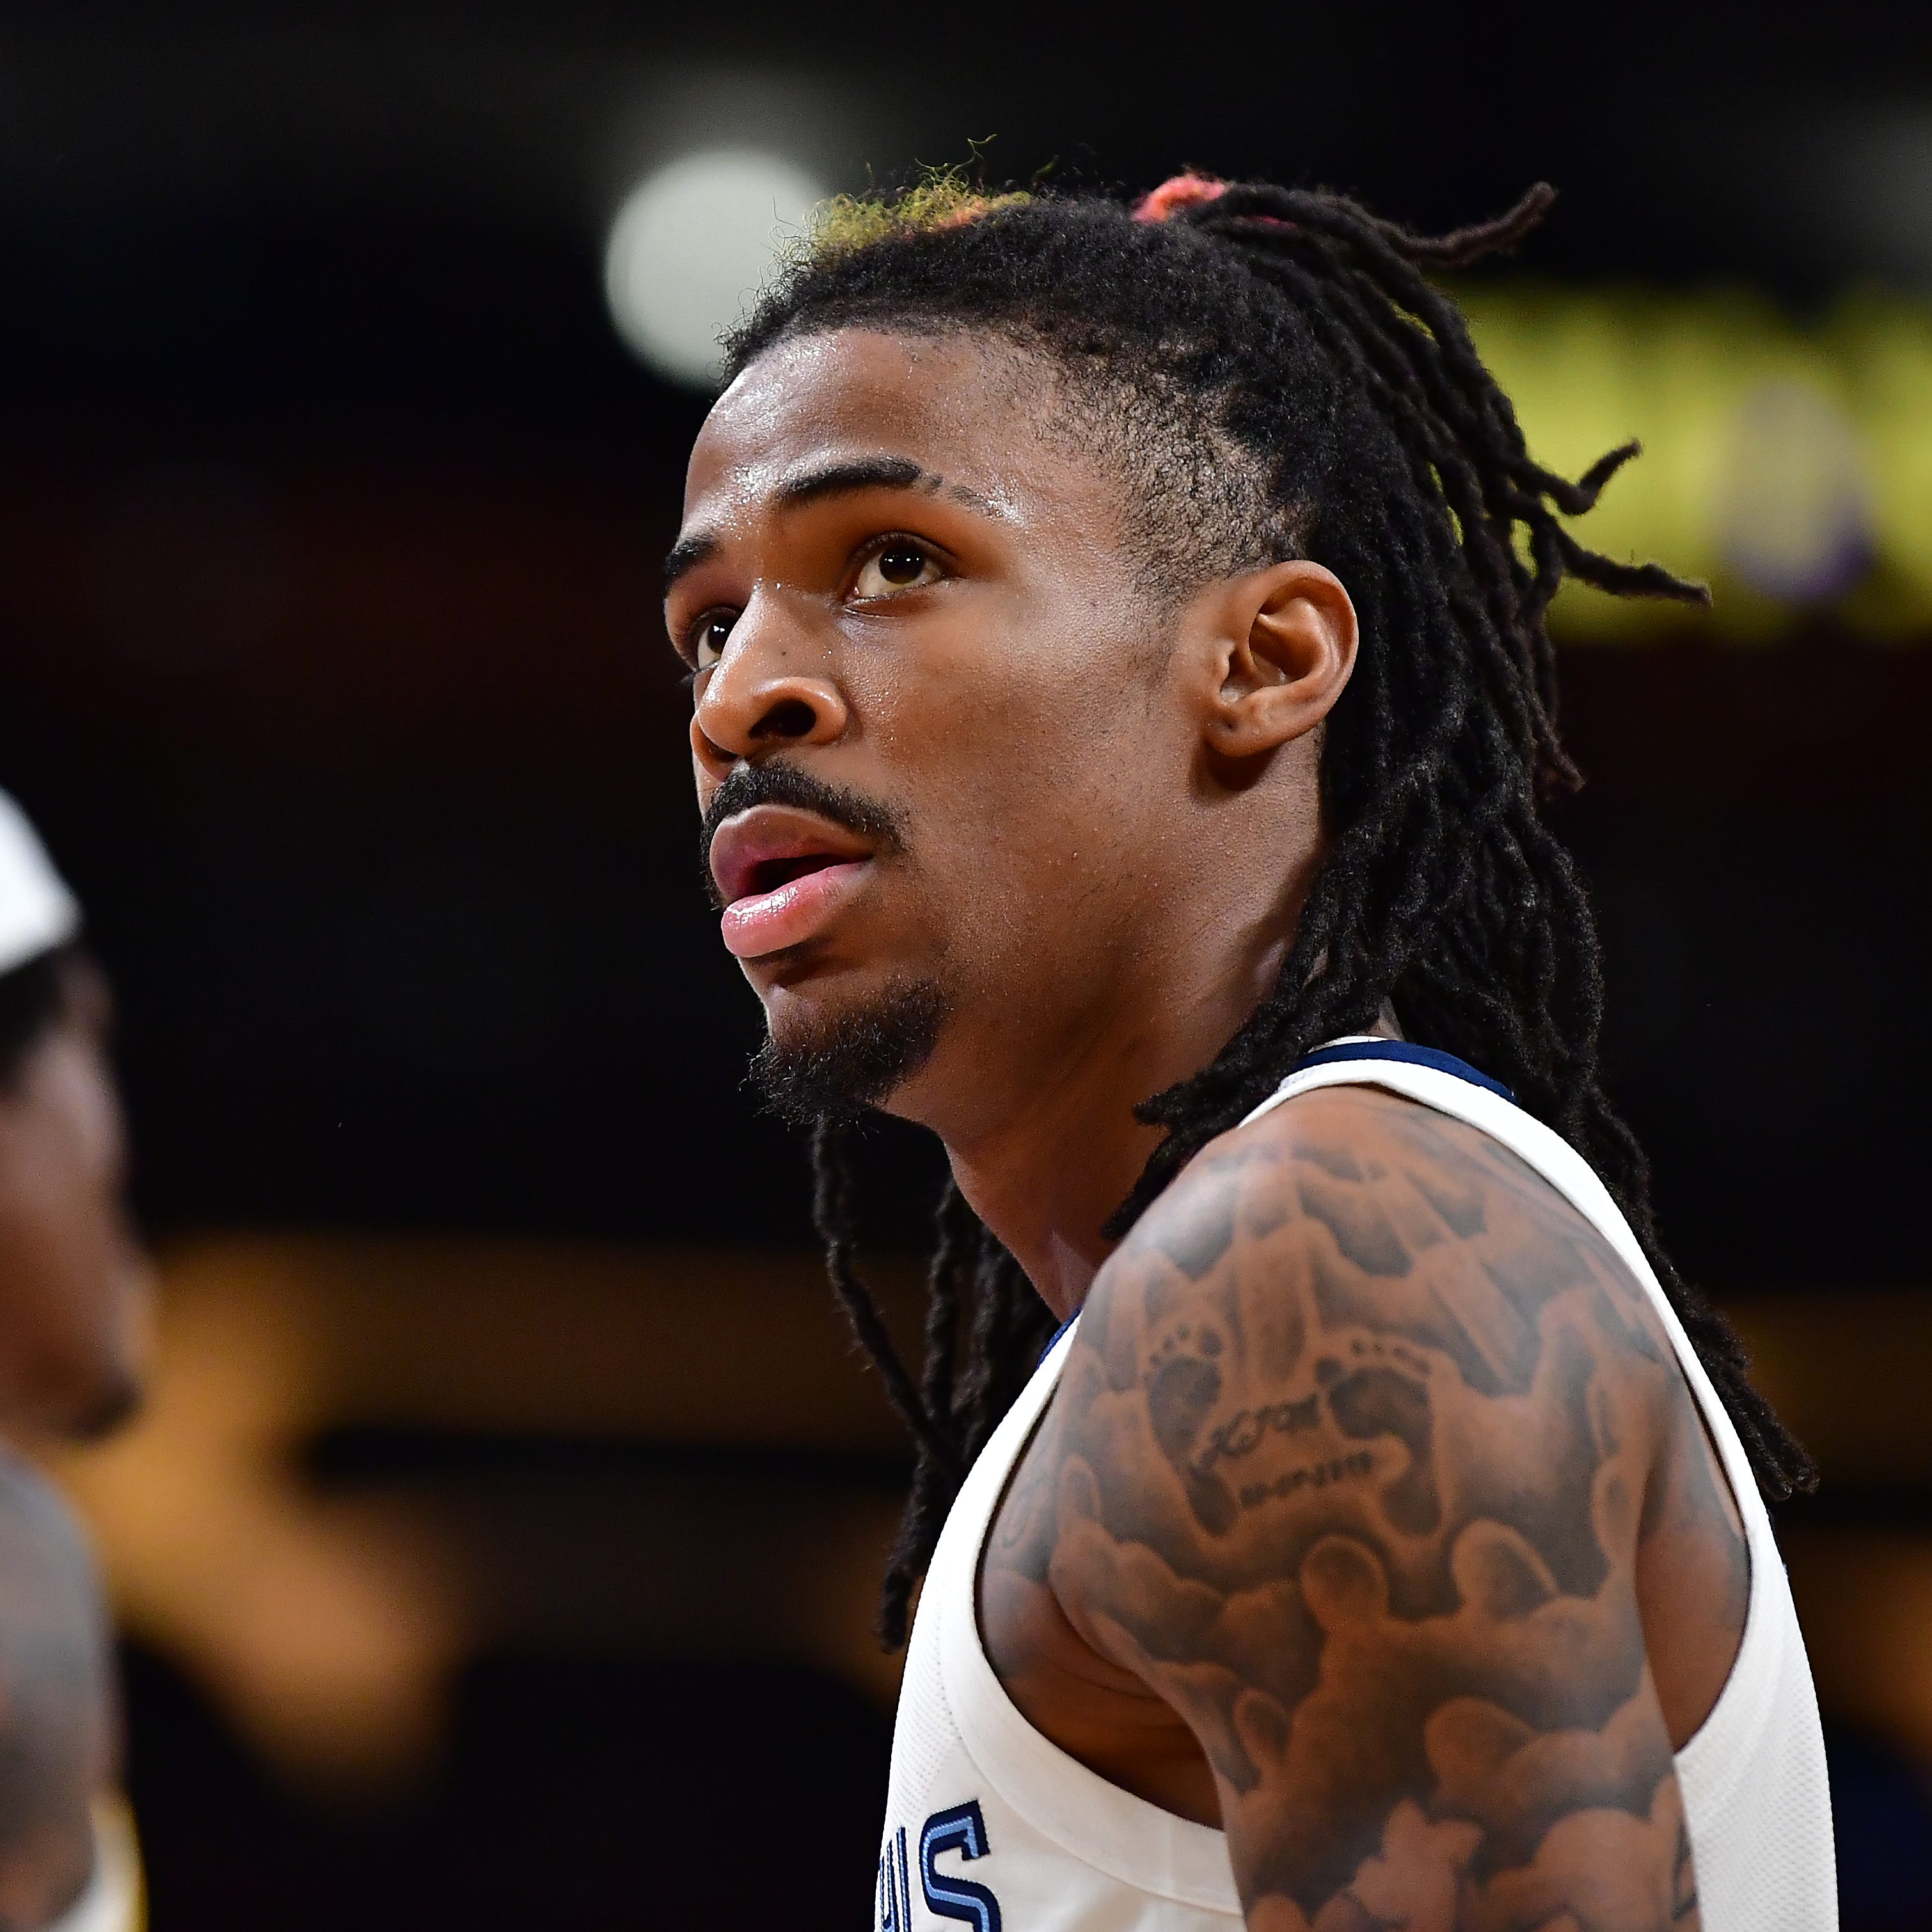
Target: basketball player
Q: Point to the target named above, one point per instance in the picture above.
(1122, 709)
(74, 1296)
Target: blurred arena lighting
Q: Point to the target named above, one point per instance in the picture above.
(1790, 466)
(691, 243)
(1793, 519)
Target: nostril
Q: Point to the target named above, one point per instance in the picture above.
(789, 718)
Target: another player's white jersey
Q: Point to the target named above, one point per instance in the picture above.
(989, 1826)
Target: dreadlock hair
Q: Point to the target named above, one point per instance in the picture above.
(1277, 378)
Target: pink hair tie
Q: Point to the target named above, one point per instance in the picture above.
(1177, 191)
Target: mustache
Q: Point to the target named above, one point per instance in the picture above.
(786, 785)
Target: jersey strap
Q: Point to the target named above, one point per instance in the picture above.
(1402, 1050)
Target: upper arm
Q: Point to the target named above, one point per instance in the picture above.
(1350, 1458)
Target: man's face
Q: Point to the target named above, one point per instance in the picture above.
(934, 728)
(74, 1286)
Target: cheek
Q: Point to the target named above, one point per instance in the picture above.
(76, 1099)
(72, 1324)
(61, 1162)
(1036, 794)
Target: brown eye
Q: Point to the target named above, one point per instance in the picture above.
(900, 565)
(707, 638)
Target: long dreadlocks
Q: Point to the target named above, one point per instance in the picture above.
(1279, 378)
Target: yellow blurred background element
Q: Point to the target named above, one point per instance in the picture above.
(1790, 466)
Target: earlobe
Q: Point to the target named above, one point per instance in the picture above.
(1288, 638)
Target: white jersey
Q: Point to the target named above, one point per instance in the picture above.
(989, 1826)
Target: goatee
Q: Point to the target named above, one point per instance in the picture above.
(855, 1060)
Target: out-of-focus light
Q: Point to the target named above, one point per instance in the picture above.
(1792, 516)
(691, 244)
(1789, 467)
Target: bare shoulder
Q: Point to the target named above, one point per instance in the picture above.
(1353, 1237)
(1349, 1463)
(1390, 1187)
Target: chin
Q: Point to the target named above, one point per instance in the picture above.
(110, 1403)
(84, 1402)
(847, 1057)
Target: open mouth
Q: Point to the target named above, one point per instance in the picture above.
(783, 873)
(768, 875)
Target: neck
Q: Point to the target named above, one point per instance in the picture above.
(1045, 1155)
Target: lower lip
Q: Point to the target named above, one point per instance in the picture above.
(792, 913)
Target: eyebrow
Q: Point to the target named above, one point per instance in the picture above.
(833, 479)
(686, 554)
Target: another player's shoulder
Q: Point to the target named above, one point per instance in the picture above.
(47, 1575)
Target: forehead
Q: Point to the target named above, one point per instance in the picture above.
(967, 411)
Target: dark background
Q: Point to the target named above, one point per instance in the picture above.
(330, 520)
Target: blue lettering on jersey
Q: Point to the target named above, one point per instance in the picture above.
(895, 1884)
(962, 1830)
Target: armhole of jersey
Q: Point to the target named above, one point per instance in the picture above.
(1129, 1840)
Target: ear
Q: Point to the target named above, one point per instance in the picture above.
(1283, 644)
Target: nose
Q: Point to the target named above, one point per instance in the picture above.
(770, 690)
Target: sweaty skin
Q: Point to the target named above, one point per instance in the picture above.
(1107, 823)
(1371, 1519)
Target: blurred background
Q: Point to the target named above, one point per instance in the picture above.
(500, 1539)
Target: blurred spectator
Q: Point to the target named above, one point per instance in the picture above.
(74, 1296)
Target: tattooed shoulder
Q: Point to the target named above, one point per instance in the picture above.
(1348, 1464)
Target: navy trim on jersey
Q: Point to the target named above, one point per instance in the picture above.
(1402, 1050)
(1052, 1339)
